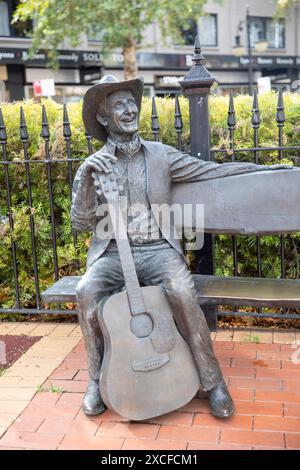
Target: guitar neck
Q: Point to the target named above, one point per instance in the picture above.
(134, 291)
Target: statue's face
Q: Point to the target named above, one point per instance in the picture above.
(121, 114)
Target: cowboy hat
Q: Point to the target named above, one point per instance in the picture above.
(97, 94)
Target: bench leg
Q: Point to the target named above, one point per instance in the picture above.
(210, 313)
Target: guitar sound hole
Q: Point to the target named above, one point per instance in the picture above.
(141, 325)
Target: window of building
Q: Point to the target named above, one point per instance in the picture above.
(18, 29)
(267, 28)
(207, 29)
(4, 19)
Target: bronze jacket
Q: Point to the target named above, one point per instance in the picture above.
(164, 165)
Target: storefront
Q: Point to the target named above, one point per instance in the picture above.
(162, 72)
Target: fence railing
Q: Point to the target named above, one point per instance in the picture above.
(70, 164)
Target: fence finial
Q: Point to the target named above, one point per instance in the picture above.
(23, 127)
(66, 124)
(3, 135)
(255, 111)
(198, 57)
(45, 133)
(231, 120)
(154, 119)
(280, 116)
(178, 117)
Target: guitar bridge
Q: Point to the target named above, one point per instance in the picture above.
(151, 364)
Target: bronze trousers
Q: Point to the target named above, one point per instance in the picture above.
(157, 264)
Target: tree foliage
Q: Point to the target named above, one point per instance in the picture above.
(283, 6)
(121, 24)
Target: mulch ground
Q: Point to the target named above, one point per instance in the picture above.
(14, 347)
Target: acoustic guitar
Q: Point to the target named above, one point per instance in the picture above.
(147, 369)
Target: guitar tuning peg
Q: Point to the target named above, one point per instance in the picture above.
(96, 182)
(94, 175)
(99, 192)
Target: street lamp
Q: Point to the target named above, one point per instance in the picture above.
(260, 46)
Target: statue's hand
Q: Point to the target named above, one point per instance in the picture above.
(99, 163)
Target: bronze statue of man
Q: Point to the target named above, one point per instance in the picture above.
(145, 170)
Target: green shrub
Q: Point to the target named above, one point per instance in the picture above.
(71, 260)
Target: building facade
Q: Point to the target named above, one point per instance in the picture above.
(163, 65)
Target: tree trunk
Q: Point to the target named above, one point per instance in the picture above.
(130, 65)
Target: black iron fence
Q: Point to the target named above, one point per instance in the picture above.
(49, 163)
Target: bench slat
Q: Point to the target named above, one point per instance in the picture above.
(243, 291)
(213, 290)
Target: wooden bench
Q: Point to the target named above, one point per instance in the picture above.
(255, 204)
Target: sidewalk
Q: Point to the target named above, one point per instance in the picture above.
(40, 397)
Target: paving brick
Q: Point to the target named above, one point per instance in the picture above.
(246, 394)
(82, 375)
(196, 406)
(26, 423)
(70, 399)
(223, 345)
(31, 440)
(67, 425)
(44, 329)
(281, 397)
(108, 415)
(25, 329)
(149, 444)
(63, 330)
(194, 433)
(244, 362)
(238, 371)
(134, 430)
(258, 384)
(234, 436)
(271, 423)
(64, 374)
(2, 430)
(45, 411)
(78, 386)
(273, 356)
(24, 382)
(245, 354)
(175, 419)
(288, 337)
(291, 385)
(199, 446)
(74, 364)
(257, 347)
(29, 371)
(12, 406)
(15, 393)
(84, 442)
(290, 365)
(281, 374)
(45, 398)
(292, 441)
(291, 410)
(235, 422)
(6, 419)
(7, 327)
(258, 408)
(76, 332)
(224, 335)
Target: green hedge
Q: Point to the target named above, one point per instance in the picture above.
(67, 255)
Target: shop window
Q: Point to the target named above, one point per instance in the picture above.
(4, 19)
(269, 29)
(207, 29)
(18, 29)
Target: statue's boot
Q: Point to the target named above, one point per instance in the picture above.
(92, 402)
(220, 401)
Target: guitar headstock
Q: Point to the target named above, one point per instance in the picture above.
(106, 184)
